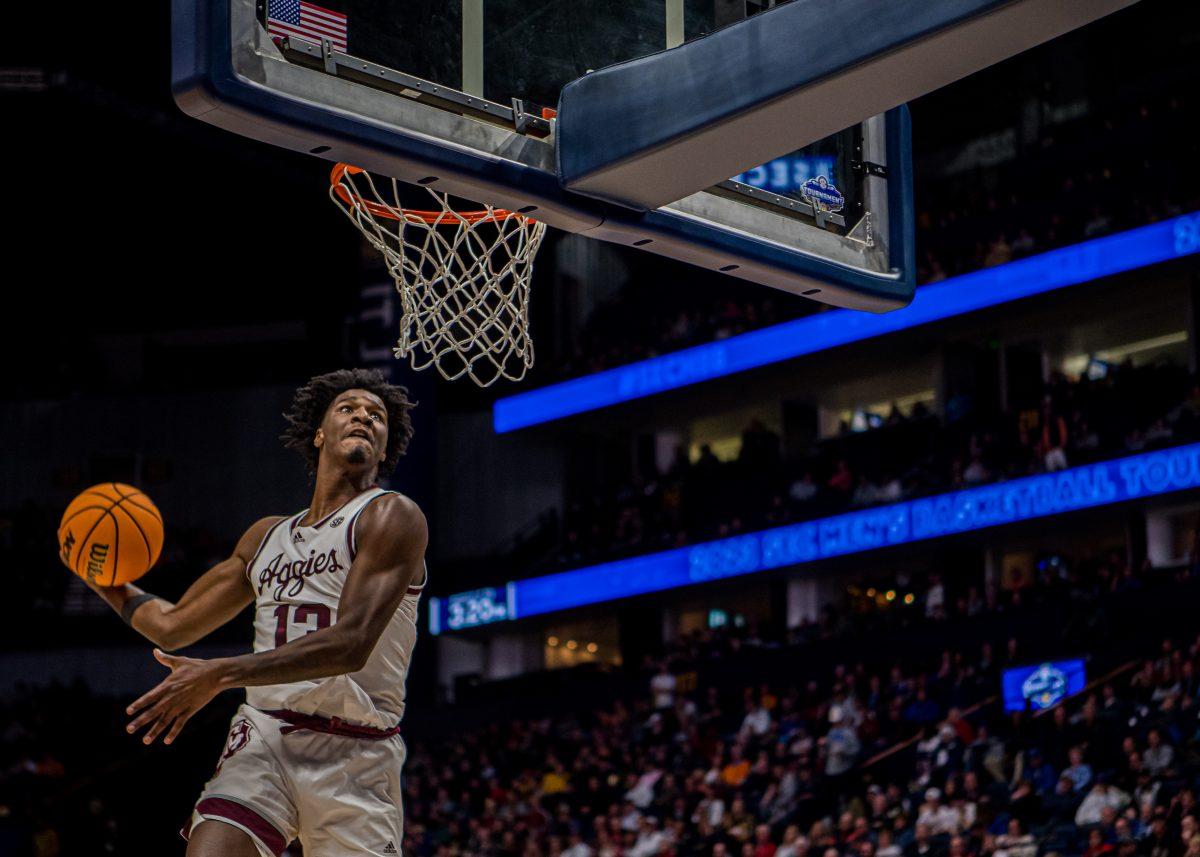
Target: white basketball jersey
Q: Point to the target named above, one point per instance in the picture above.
(297, 576)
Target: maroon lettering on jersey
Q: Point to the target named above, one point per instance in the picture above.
(322, 615)
(288, 578)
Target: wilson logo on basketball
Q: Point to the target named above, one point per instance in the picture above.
(288, 578)
(96, 557)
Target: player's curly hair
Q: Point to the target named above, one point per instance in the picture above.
(313, 399)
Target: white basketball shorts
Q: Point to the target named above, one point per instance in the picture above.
(339, 795)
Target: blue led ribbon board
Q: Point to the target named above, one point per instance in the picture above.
(1145, 475)
(1069, 266)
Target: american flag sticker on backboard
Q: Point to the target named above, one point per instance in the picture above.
(307, 21)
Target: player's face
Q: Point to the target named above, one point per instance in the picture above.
(355, 428)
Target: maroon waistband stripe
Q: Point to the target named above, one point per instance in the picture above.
(330, 725)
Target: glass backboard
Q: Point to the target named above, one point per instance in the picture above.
(711, 107)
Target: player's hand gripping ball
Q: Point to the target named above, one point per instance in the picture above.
(110, 534)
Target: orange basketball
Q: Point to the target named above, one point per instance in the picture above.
(110, 534)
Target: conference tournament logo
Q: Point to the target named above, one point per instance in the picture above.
(822, 194)
(1045, 686)
(1187, 234)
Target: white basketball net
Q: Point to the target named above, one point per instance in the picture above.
(463, 277)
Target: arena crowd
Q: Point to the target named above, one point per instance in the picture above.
(899, 757)
(1131, 409)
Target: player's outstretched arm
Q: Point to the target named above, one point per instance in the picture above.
(392, 535)
(216, 597)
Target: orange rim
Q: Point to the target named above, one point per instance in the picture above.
(378, 209)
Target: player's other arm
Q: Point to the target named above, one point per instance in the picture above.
(217, 596)
(391, 535)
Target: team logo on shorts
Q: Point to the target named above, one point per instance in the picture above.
(239, 737)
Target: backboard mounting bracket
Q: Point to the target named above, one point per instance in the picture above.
(863, 232)
(322, 57)
(869, 168)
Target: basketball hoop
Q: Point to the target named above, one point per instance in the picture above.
(463, 277)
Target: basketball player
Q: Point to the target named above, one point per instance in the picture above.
(315, 751)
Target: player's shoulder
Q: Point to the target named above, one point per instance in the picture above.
(392, 508)
(264, 525)
(253, 538)
(394, 514)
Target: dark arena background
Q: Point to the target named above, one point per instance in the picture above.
(924, 591)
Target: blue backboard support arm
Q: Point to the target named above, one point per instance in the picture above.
(649, 131)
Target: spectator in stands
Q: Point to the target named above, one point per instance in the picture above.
(923, 843)
(1061, 805)
(998, 253)
(737, 770)
(842, 481)
(1079, 772)
(935, 598)
(803, 489)
(937, 815)
(960, 846)
(885, 845)
(1023, 244)
(662, 687)
(760, 448)
(650, 840)
(976, 472)
(757, 721)
(1042, 775)
(1146, 790)
(922, 709)
(1096, 846)
(1158, 756)
(763, 846)
(556, 779)
(1102, 795)
(841, 745)
(1016, 842)
(1159, 842)
(1053, 438)
(576, 847)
